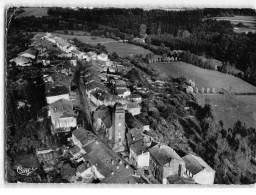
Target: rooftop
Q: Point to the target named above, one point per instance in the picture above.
(74, 150)
(139, 147)
(121, 91)
(103, 55)
(196, 164)
(176, 179)
(90, 53)
(131, 122)
(30, 51)
(61, 107)
(163, 154)
(54, 89)
(103, 113)
(131, 105)
(21, 60)
(133, 96)
(96, 84)
(108, 163)
(99, 94)
(134, 135)
(84, 136)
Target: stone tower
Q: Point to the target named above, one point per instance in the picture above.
(118, 132)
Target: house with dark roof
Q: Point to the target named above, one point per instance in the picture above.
(109, 164)
(135, 98)
(123, 92)
(94, 86)
(178, 179)
(81, 137)
(199, 170)
(164, 162)
(139, 153)
(138, 144)
(62, 116)
(101, 164)
(97, 97)
(77, 153)
(102, 121)
(132, 122)
(55, 92)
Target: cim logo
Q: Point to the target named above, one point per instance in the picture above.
(25, 171)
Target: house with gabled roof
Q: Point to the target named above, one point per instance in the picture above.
(22, 61)
(138, 144)
(92, 55)
(102, 121)
(164, 162)
(133, 107)
(92, 86)
(55, 92)
(102, 57)
(62, 116)
(81, 137)
(30, 53)
(199, 170)
(178, 179)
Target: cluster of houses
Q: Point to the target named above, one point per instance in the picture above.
(120, 142)
(26, 58)
(70, 50)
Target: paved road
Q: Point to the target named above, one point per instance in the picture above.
(84, 100)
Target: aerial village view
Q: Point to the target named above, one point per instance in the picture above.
(118, 100)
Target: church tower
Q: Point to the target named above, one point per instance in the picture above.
(118, 132)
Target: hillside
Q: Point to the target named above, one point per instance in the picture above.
(205, 78)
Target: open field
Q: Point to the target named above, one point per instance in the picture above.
(85, 39)
(229, 108)
(34, 11)
(249, 21)
(205, 78)
(125, 49)
(246, 20)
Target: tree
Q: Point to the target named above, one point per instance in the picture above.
(67, 171)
